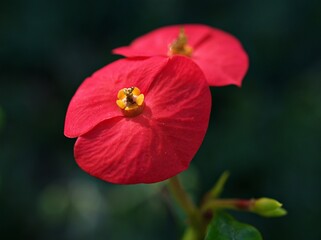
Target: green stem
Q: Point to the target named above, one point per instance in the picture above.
(193, 213)
(234, 204)
(181, 196)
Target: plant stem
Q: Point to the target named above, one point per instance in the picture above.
(181, 196)
(193, 213)
(234, 204)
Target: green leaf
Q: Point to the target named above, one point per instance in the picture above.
(224, 227)
(218, 188)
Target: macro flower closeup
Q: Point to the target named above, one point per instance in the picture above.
(139, 120)
(219, 54)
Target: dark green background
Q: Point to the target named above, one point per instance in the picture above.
(268, 133)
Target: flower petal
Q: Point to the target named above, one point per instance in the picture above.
(161, 141)
(156, 43)
(222, 59)
(219, 54)
(95, 99)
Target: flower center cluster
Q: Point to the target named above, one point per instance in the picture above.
(180, 45)
(130, 101)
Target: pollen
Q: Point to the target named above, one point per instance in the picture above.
(180, 45)
(130, 101)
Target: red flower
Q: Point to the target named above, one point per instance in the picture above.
(219, 54)
(139, 121)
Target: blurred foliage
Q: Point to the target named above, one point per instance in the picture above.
(268, 134)
(225, 227)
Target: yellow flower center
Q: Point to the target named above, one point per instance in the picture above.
(180, 45)
(130, 101)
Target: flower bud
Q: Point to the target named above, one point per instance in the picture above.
(268, 207)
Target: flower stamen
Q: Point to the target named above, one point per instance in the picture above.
(180, 45)
(130, 101)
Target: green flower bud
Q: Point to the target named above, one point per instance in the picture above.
(279, 212)
(267, 207)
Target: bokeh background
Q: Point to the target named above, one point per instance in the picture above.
(268, 133)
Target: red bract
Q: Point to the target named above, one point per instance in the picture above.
(219, 54)
(129, 136)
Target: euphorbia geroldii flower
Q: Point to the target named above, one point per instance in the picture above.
(219, 54)
(139, 120)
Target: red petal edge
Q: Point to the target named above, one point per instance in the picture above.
(160, 142)
(222, 59)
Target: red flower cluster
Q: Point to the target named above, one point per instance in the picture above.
(142, 120)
